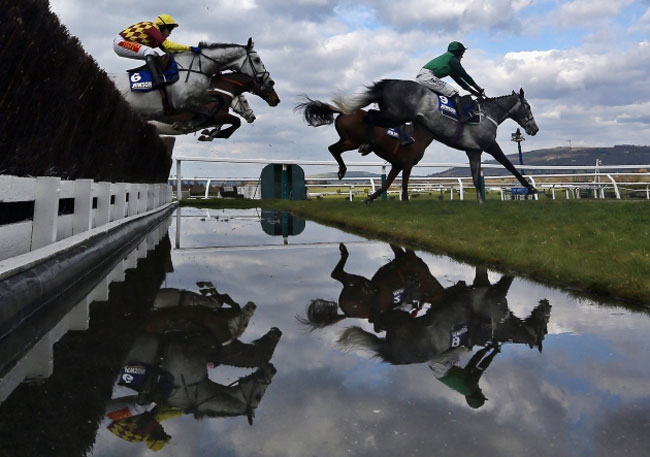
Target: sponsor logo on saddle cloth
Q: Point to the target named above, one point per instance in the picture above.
(140, 78)
(447, 107)
(133, 375)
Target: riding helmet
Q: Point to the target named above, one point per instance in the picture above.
(456, 47)
(165, 20)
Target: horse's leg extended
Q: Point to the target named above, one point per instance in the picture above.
(235, 124)
(336, 150)
(338, 273)
(495, 151)
(389, 180)
(474, 157)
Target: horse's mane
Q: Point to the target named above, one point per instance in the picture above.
(206, 45)
(501, 96)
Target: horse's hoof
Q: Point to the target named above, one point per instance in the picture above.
(204, 138)
(205, 132)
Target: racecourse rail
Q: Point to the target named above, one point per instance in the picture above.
(603, 177)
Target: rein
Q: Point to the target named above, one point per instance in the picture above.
(507, 111)
(265, 75)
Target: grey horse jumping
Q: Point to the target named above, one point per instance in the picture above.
(403, 101)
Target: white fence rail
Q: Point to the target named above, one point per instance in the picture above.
(88, 205)
(597, 178)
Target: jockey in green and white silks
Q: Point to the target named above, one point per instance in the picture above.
(448, 64)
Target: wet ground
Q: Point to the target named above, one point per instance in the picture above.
(333, 345)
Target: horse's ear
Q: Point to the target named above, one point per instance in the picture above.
(250, 44)
(513, 93)
(521, 92)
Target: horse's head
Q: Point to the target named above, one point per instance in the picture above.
(240, 106)
(245, 395)
(239, 58)
(523, 115)
(253, 66)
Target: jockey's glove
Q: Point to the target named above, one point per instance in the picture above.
(195, 49)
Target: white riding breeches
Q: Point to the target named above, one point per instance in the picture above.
(431, 81)
(131, 50)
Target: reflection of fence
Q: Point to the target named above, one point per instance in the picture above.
(36, 212)
(35, 360)
(596, 181)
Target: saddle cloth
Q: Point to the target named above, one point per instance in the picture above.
(140, 78)
(448, 108)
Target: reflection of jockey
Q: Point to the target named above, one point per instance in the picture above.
(465, 380)
(448, 64)
(143, 427)
(138, 41)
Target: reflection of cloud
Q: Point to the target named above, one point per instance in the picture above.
(324, 401)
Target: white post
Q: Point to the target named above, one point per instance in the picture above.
(179, 196)
(103, 211)
(119, 207)
(532, 181)
(157, 195)
(618, 195)
(207, 188)
(148, 189)
(132, 189)
(553, 191)
(462, 190)
(351, 187)
(83, 205)
(46, 211)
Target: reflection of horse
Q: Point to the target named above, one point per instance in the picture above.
(224, 90)
(404, 282)
(403, 101)
(168, 361)
(460, 319)
(463, 316)
(191, 92)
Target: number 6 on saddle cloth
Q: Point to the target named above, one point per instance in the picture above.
(140, 79)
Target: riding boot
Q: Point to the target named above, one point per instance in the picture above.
(406, 134)
(460, 111)
(156, 75)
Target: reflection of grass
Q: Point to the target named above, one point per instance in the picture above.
(599, 246)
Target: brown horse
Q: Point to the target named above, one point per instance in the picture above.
(404, 282)
(355, 132)
(223, 89)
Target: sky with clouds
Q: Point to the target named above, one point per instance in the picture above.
(582, 63)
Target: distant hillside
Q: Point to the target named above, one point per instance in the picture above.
(566, 156)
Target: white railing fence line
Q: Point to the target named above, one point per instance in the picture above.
(90, 205)
(454, 184)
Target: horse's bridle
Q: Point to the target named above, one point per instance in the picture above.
(523, 122)
(260, 76)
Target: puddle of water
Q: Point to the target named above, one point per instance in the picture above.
(471, 363)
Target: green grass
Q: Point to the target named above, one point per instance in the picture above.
(595, 246)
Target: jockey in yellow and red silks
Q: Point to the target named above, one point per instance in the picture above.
(139, 40)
